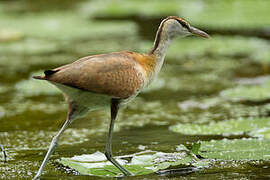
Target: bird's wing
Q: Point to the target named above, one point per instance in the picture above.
(114, 74)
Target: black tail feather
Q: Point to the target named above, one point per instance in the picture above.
(49, 72)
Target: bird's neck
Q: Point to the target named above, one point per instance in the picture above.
(161, 44)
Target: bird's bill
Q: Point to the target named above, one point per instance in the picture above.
(198, 32)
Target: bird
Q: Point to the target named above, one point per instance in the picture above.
(112, 80)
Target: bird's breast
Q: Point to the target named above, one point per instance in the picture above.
(146, 65)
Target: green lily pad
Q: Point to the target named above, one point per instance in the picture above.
(263, 132)
(131, 8)
(263, 57)
(238, 149)
(230, 14)
(256, 93)
(58, 32)
(145, 162)
(229, 127)
(255, 49)
(174, 79)
(33, 87)
(29, 47)
(65, 26)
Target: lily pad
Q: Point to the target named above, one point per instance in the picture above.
(130, 8)
(238, 149)
(229, 127)
(263, 132)
(255, 93)
(65, 26)
(32, 87)
(231, 14)
(255, 49)
(145, 162)
(29, 47)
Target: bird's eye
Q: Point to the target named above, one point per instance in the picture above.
(184, 24)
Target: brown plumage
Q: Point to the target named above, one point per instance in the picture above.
(94, 82)
(114, 74)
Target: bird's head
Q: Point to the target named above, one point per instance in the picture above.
(175, 26)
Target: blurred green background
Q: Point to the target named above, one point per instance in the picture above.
(202, 82)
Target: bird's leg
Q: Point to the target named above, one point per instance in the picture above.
(54, 141)
(108, 152)
(3, 152)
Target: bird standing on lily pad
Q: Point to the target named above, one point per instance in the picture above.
(113, 79)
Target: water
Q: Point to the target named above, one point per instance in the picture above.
(32, 113)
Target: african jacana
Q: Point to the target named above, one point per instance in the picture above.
(94, 82)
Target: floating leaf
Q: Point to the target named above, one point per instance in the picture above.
(32, 87)
(145, 162)
(65, 26)
(255, 49)
(263, 132)
(232, 14)
(205, 104)
(229, 127)
(253, 93)
(131, 8)
(29, 47)
(238, 149)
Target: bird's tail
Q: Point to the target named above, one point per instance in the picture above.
(47, 74)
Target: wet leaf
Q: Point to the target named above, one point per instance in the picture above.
(228, 127)
(230, 14)
(32, 87)
(263, 133)
(255, 49)
(145, 162)
(65, 26)
(131, 8)
(29, 47)
(256, 93)
(238, 149)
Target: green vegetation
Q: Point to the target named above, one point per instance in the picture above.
(194, 48)
(65, 26)
(226, 128)
(141, 163)
(238, 149)
(212, 94)
(229, 14)
(147, 162)
(254, 93)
